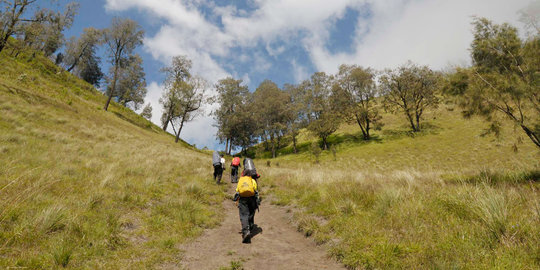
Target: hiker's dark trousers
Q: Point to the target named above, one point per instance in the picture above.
(234, 174)
(246, 208)
(218, 171)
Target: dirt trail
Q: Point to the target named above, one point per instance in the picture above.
(278, 245)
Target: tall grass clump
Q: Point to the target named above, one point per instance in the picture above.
(492, 210)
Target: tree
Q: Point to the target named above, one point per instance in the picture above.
(231, 96)
(354, 93)
(411, 89)
(297, 118)
(190, 98)
(504, 78)
(90, 71)
(81, 58)
(131, 88)
(176, 73)
(244, 125)
(147, 112)
(79, 50)
(271, 105)
(323, 121)
(44, 31)
(183, 96)
(121, 39)
(10, 18)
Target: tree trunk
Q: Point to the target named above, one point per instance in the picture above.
(266, 146)
(417, 122)
(173, 129)
(168, 119)
(227, 145)
(533, 136)
(180, 129)
(367, 129)
(115, 77)
(294, 144)
(325, 144)
(411, 121)
(273, 146)
(166, 124)
(365, 133)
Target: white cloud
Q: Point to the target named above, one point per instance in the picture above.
(435, 33)
(152, 97)
(299, 71)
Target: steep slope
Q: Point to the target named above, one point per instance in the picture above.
(85, 188)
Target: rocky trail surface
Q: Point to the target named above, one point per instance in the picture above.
(276, 245)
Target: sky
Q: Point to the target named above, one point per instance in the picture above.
(288, 40)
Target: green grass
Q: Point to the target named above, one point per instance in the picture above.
(444, 198)
(85, 188)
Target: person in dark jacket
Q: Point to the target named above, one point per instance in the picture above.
(247, 206)
(218, 163)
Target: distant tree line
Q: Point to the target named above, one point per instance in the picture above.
(502, 84)
(504, 79)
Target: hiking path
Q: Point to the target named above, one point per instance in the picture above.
(276, 244)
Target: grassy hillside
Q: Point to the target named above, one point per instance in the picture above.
(85, 188)
(446, 198)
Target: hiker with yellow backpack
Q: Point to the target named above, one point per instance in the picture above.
(247, 197)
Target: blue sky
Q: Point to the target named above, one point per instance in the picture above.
(287, 40)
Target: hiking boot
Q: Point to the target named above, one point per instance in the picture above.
(246, 238)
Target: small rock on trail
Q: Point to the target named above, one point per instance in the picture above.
(277, 245)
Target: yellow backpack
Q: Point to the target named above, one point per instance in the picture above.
(245, 187)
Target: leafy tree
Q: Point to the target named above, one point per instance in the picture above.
(79, 50)
(147, 112)
(297, 113)
(121, 39)
(44, 32)
(504, 79)
(354, 93)
(410, 89)
(190, 100)
(184, 94)
(323, 121)
(244, 126)
(271, 105)
(89, 70)
(10, 18)
(131, 88)
(175, 74)
(231, 96)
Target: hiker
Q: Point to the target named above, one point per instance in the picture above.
(247, 198)
(219, 165)
(234, 169)
(249, 169)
